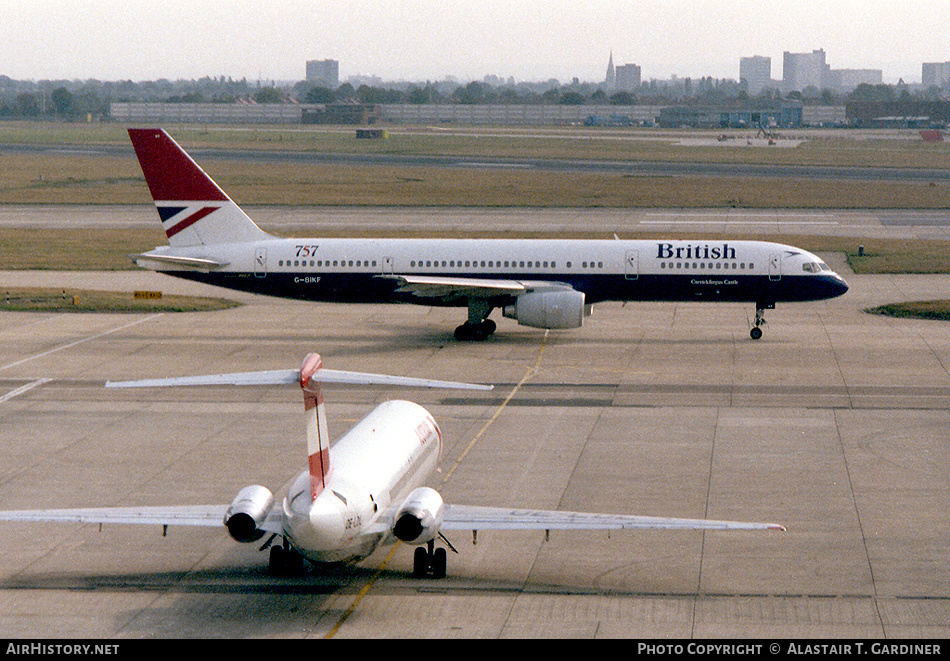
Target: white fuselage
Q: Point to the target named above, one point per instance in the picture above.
(373, 468)
(356, 270)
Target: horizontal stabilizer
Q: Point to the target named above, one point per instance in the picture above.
(178, 262)
(278, 377)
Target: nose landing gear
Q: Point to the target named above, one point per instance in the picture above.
(760, 308)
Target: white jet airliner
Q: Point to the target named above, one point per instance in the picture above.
(542, 283)
(366, 490)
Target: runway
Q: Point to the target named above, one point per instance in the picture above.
(310, 221)
(834, 424)
(635, 168)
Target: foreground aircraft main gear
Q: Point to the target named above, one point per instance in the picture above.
(285, 561)
(429, 560)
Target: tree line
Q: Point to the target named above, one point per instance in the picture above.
(71, 100)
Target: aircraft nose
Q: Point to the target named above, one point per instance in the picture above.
(837, 286)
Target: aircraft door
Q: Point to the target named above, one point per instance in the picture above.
(387, 265)
(260, 262)
(632, 265)
(775, 266)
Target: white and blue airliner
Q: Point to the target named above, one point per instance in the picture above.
(541, 283)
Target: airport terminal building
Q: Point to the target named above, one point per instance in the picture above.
(786, 115)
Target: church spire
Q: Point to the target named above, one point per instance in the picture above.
(611, 74)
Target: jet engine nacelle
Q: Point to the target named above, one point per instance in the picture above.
(549, 309)
(247, 512)
(419, 517)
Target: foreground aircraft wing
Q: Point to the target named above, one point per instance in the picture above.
(450, 289)
(211, 516)
(467, 517)
(189, 515)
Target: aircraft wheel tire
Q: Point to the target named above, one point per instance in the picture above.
(278, 561)
(469, 332)
(420, 562)
(439, 563)
(755, 333)
(285, 562)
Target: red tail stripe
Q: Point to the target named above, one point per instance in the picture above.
(318, 474)
(189, 221)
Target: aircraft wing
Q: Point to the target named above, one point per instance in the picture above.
(183, 515)
(467, 517)
(451, 289)
(189, 515)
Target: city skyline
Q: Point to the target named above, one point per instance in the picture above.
(527, 41)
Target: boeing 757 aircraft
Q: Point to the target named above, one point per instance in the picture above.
(366, 490)
(542, 283)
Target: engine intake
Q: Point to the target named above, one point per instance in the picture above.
(563, 308)
(419, 518)
(247, 512)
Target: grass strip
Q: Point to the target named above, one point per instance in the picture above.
(43, 299)
(937, 310)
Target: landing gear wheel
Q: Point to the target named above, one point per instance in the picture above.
(285, 561)
(426, 561)
(475, 332)
(438, 563)
(760, 308)
(420, 563)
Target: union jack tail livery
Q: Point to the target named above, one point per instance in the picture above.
(193, 209)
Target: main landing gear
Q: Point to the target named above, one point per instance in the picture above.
(285, 561)
(475, 332)
(429, 560)
(760, 308)
(478, 327)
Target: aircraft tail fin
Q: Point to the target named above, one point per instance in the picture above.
(192, 207)
(318, 439)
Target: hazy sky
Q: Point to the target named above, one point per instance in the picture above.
(432, 39)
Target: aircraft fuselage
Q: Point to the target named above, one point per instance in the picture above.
(366, 270)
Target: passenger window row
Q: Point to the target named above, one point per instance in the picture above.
(707, 265)
(320, 263)
(482, 264)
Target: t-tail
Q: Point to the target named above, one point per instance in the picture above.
(193, 209)
(310, 376)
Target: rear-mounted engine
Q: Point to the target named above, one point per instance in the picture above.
(247, 512)
(420, 516)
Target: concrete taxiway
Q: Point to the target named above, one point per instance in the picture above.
(834, 424)
(628, 223)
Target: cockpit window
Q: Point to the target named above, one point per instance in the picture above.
(815, 267)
